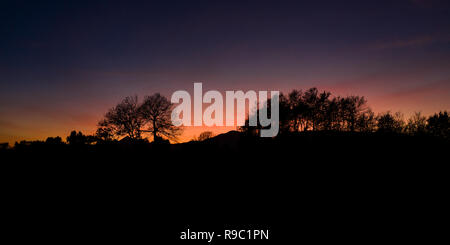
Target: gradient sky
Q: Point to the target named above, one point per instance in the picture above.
(64, 63)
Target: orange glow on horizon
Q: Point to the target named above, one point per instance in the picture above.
(32, 125)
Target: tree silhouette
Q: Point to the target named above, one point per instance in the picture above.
(104, 132)
(54, 140)
(123, 119)
(352, 107)
(366, 121)
(79, 139)
(205, 135)
(292, 110)
(439, 125)
(131, 119)
(417, 124)
(390, 123)
(156, 112)
(311, 110)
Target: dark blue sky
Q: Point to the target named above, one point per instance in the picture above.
(64, 63)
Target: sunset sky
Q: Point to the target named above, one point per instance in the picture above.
(63, 64)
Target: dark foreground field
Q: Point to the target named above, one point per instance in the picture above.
(311, 187)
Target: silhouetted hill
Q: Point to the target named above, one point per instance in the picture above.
(229, 138)
(357, 182)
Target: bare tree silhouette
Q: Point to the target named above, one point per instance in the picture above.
(156, 112)
(416, 124)
(123, 119)
(131, 119)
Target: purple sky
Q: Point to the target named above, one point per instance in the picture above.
(64, 63)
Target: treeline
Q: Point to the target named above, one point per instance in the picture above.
(73, 139)
(312, 110)
(300, 111)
